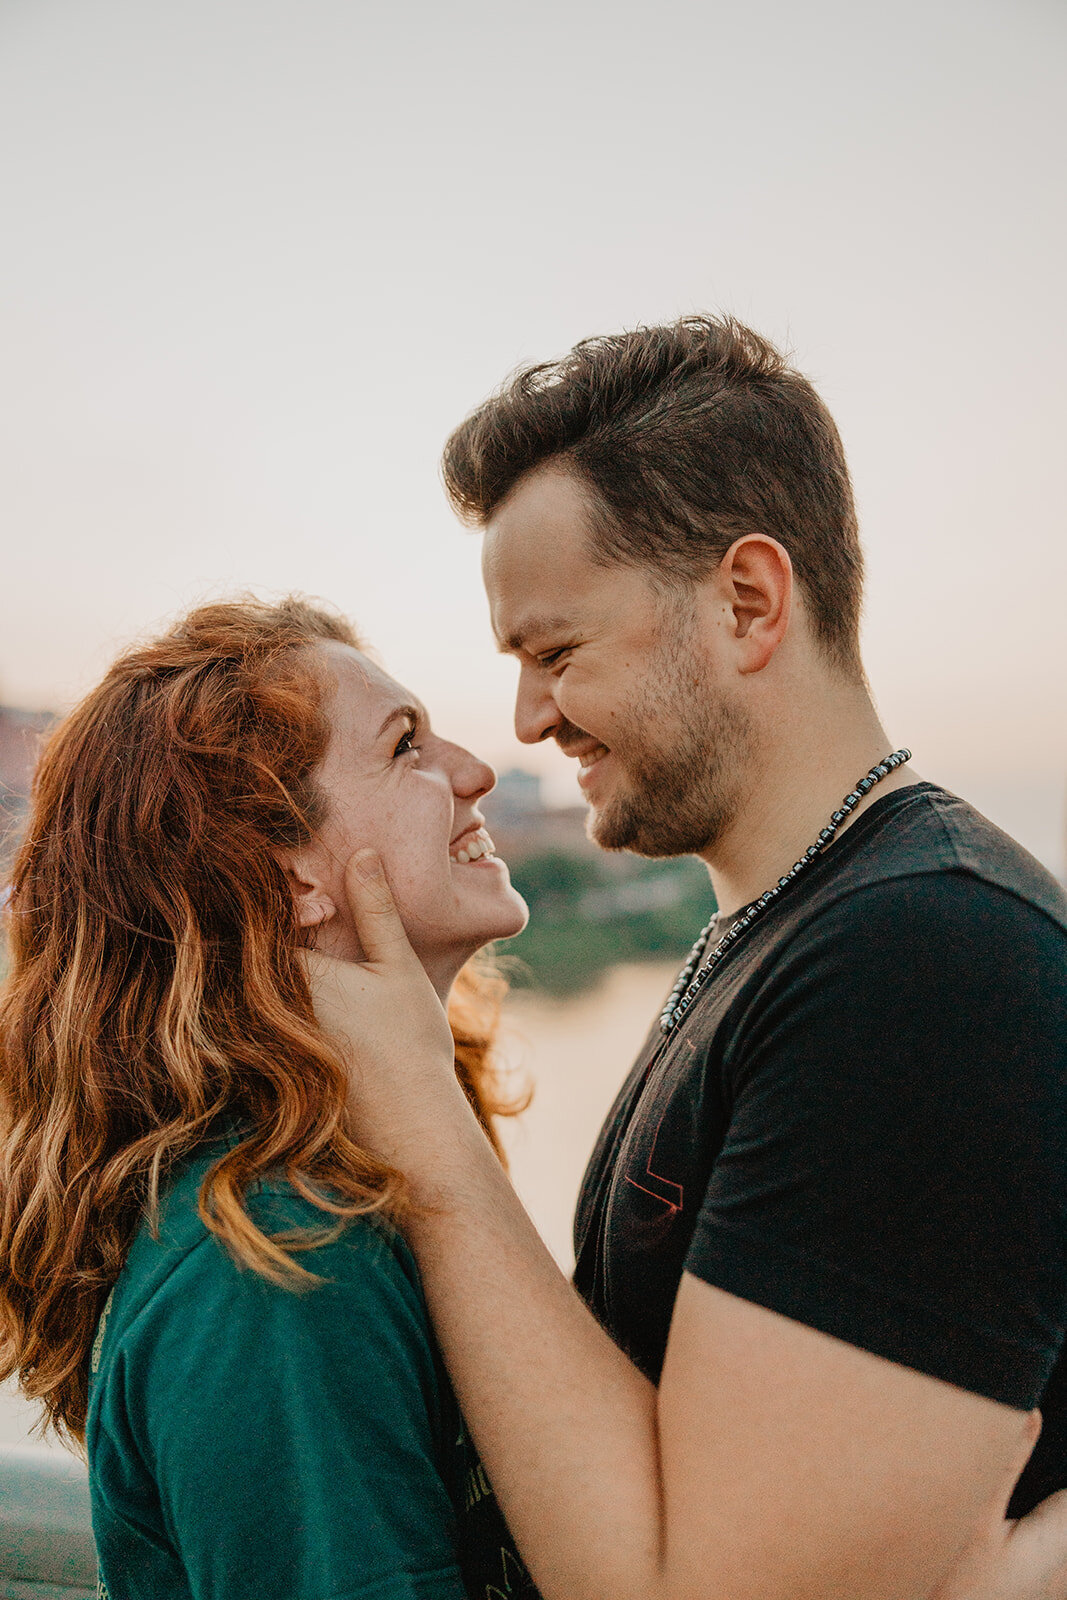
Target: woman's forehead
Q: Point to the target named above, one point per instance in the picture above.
(363, 692)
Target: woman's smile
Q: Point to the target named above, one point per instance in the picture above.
(394, 784)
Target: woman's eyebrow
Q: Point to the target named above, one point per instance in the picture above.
(412, 713)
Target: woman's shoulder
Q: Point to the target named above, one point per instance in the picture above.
(361, 1270)
(315, 1413)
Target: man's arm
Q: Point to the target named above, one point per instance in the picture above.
(835, 1472)
(773, 1461)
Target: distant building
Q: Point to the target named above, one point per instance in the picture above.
(517, 796)
(21, 734)
(522, 825)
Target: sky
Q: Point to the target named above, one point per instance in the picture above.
(258, 257)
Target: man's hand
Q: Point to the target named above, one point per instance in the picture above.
(386, 1017)
(575, 1438)
(1025, 1560)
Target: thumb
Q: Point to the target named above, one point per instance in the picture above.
(370, 901)
(1030, 1435)
(1031, 1432)
(1041, 1539)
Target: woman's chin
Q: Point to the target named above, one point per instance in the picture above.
(443, 965)
(505, 926)
(511, 925)
(505, 918)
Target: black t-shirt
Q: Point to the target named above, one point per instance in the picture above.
(861, 1123)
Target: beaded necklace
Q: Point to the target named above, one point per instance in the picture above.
(690, 981)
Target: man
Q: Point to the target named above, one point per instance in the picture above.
(824, 1232)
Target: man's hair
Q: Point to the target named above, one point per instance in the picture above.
(688, 436)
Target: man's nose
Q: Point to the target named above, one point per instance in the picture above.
(537, 715)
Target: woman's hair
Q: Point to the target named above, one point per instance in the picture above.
(157, 991)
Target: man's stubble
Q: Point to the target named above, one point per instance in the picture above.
(683, 752)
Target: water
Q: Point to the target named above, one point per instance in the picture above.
(577, 1054)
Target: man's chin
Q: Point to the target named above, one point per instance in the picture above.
(630, 827)
(614, 827)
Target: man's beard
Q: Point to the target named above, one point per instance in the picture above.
(677, 800)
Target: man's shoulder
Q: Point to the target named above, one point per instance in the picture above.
(930, 904)
(933, 835)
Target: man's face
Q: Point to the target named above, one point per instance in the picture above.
(616, 671)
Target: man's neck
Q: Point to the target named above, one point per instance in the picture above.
(789, 795)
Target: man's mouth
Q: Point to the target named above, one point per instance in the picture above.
(471, 846)
(588, 761)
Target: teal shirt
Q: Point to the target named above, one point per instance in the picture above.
(249, 1442)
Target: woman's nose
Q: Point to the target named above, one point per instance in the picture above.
(471, 777)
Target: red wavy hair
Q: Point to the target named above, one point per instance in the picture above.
(156, 984)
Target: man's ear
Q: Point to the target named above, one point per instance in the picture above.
(313, 905)
(755, 577)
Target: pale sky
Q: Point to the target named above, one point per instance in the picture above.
(257, 257)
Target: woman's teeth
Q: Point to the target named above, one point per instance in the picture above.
(477, 845)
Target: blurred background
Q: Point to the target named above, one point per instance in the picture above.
(259, 256)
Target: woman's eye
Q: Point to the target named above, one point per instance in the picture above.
(406, 743)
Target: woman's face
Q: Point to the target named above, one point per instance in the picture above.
(393, 784)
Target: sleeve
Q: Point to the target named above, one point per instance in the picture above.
(895, 1166)
(293, 1435)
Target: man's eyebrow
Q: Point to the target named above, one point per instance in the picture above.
(539, 627)
(412, 713)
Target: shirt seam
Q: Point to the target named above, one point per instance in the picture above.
(853, 892)
(130, 1321)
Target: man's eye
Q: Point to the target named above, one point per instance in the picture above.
(552, 658)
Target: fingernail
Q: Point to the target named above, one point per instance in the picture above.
(367, 863)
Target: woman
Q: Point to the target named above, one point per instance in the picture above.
(199, 1276)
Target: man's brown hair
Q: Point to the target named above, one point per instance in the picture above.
(689, 436)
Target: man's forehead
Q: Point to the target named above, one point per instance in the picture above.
(537, 574)
(544, 518)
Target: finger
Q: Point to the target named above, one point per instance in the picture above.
(324, 973)
(1039, 1542)
(370, 901)
(1048, 1521)
(1029, 1437)
(1031, 1431)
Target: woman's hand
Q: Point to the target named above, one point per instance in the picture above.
(390, 1024)
(1024, 1560)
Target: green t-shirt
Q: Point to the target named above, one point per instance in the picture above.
(249, 1442)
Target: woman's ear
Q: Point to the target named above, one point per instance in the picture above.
(314, 907)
